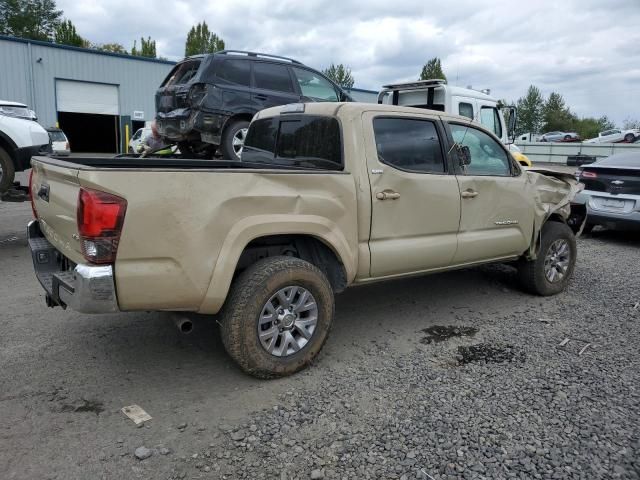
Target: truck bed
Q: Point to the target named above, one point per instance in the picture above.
(170, 163)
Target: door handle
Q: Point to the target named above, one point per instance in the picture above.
(387, 195)
(260, 97)
(469, 193)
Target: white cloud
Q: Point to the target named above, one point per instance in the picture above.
(587, 50)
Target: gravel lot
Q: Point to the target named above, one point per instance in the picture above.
(391, 396)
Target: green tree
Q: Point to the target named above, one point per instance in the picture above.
(201, 40)
(147, 48)
(586, 127)
(556, 115)
(33, 19)
(432, 69)
(340, 74)
(66, 35)
(605, 123)
(111, 47)
(530, 111)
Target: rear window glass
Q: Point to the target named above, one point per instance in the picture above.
(57, 136)
(235, 71)
(182, 73)
(301, 141)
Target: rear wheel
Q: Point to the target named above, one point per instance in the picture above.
(551, 271)
(233, 139)
(7, 171)
(277, 316)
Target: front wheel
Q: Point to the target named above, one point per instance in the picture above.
(7, 171)
(233, 139)
(567, 137)
(277, 316)
(629, 137)
(552, 269)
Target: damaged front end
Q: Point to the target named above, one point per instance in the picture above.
(554, 193)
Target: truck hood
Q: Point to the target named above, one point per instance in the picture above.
(553, 192)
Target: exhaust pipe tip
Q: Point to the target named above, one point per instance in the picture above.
(184, 324)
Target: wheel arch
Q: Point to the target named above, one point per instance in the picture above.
(312, 239)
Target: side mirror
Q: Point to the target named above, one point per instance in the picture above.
(464, 155)
(511, 129)
(33, 115)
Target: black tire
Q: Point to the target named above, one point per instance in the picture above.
(7, 171)
(246, 301)
(532, 272)
(567, 137)
(227, 147)
(629, 137)
(131, 150)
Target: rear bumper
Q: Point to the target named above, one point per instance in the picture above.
(626, 217)
(84, 288)
(181, 124)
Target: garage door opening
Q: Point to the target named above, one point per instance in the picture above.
(91, 133)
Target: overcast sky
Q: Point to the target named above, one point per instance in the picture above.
(588, 50)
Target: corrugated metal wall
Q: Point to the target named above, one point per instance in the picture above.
(137, 79)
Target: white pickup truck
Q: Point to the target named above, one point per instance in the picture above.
(327, 195)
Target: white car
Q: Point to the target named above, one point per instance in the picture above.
(137, 139)
(59, 142)
(21, 137)
(615, 135)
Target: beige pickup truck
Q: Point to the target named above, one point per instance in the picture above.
(327, 195)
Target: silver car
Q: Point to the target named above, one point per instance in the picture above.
(612, 191)
(560, 137)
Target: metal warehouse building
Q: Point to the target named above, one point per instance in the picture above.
(97, 98)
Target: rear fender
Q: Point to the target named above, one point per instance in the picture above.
(254, 227)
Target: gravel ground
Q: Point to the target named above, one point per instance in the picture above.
(392, 395)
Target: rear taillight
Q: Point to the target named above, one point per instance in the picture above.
(67, 146)
(100, 219)
(33, 205)
(589, 175)
(197, 93)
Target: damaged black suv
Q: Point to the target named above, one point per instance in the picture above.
(207, 101)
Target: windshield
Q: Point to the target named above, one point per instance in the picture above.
(15, 111)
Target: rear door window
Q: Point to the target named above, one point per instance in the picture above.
(304, 140)
(313, 86)
(271, 76)
(235, 71)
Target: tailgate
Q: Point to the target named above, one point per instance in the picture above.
(55, 190)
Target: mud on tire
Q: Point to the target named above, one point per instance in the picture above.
(245, 309)
(553, 267)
